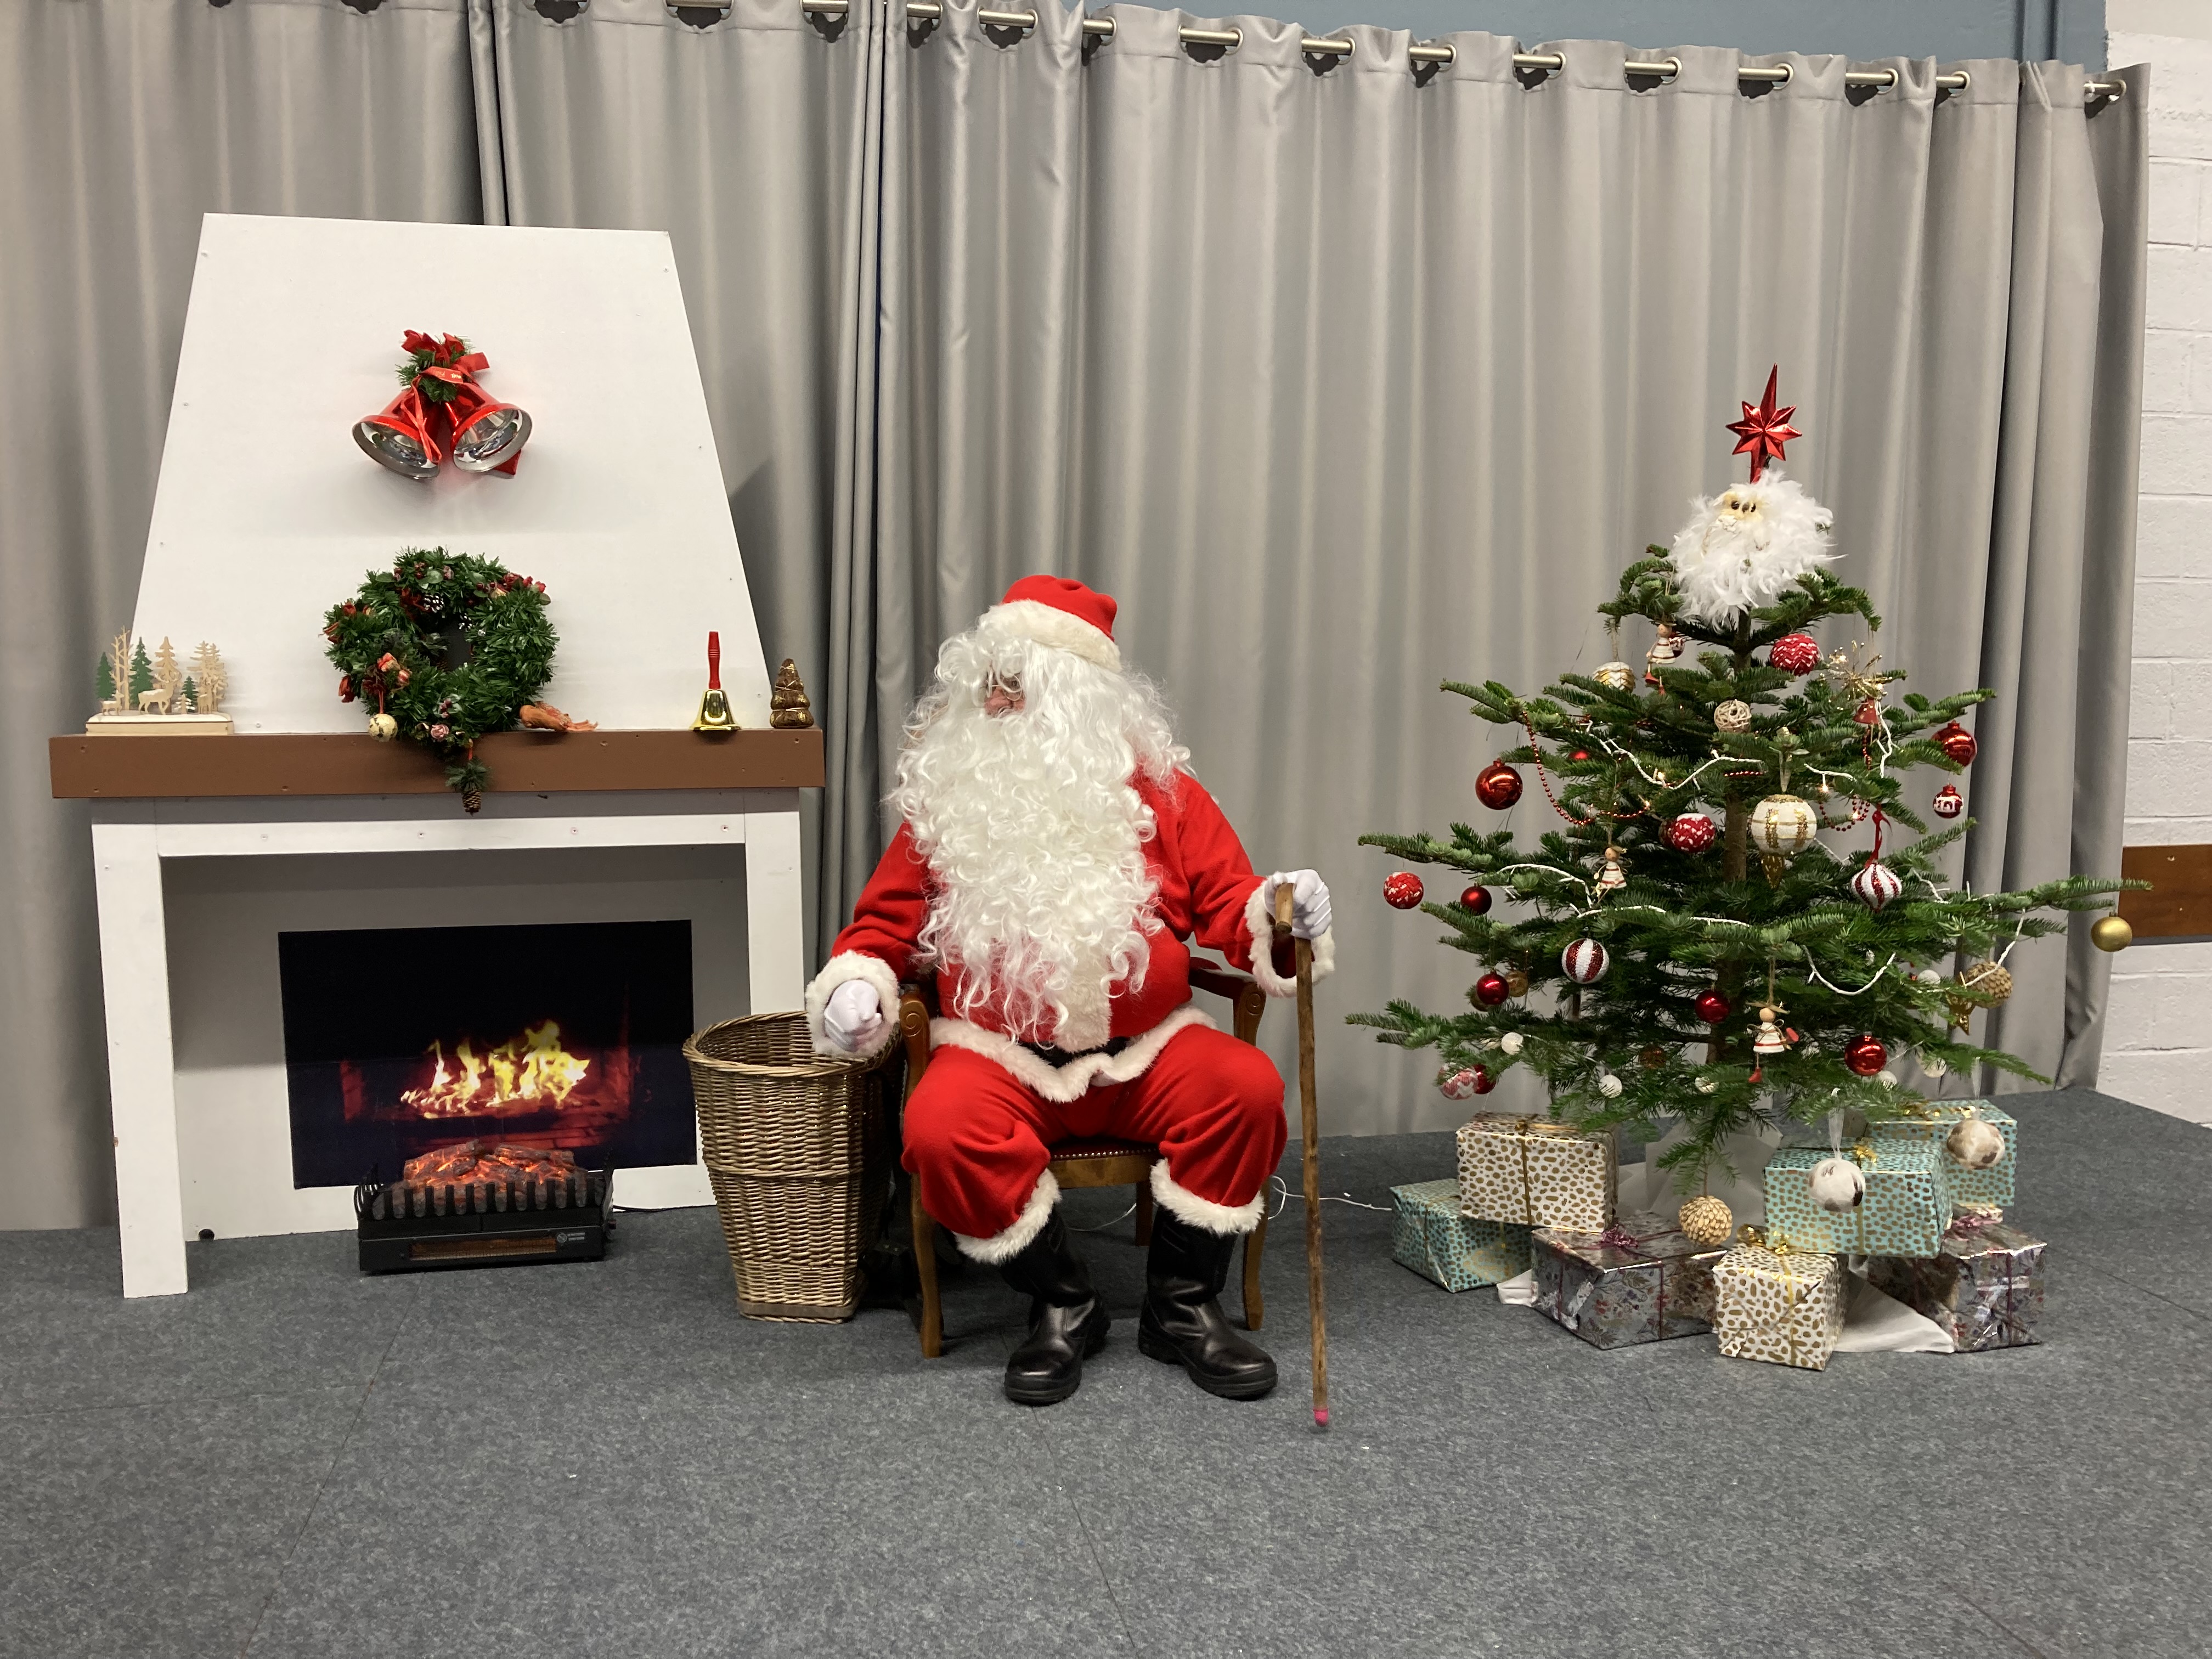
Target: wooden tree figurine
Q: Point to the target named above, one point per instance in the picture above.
(210, 679)
(168, 680)
(788, 708)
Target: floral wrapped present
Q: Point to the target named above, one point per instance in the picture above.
(1640, 1280)
(1429, 1235)
(1985, 1288)
(1781, 1305)
(1929, 1122)
(1906, 1208)
(1536, 1172)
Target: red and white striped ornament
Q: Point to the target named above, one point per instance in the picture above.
(1795, 653)
(1693, 832)
(1948, 802)
(1875, 885)
(1466, 1082)
(1584, 962)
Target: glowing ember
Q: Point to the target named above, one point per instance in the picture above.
(530, 1071)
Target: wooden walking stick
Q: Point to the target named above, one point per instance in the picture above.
(1310, 1112)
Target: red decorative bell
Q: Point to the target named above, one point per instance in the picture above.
(1403, 890)
(1497, 785)
(1490, 990)
(396, 437)
(1475, 900)
(1868, 712)
(1712, 1007)
(1958, 743)
(443, 412)
(1866, 1056)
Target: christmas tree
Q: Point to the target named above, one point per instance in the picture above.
(142, 673)
(104, 682)
(1684, 945)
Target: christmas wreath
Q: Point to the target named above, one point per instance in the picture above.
(392, 641)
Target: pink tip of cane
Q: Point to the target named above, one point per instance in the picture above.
(1321, 1418)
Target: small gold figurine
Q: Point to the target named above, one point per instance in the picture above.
(715, 713)
(788, 707)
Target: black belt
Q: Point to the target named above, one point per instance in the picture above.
(1057, 1058)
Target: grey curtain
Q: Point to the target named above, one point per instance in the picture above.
(1346, 377)
(121, 123)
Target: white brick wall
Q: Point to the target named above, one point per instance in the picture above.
(2158, 1045)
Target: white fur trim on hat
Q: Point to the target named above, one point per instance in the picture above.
(1031, 620)
(847, 965)
(1204, 1214)
(1260, 922)
(1005, 1246)
(1069, 1081)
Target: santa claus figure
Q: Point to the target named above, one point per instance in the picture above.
(1055, 858)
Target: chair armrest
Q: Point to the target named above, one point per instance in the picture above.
(913, 1017)
(1243, 993)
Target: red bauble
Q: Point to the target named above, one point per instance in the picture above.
(1795, 653)
(1712, 1007)
(1497, 786)
(1401, 892)
(1866, 1056)
(1693, 832)
(1579, 754)
(1948, 802)
(1475, 900)
(1958, 743)
(1484, 1082)
(1490, 990)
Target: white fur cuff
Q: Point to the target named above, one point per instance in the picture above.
(1188, 1207)
(1005, 1246)
(848, 965)
(1260, 922)
(1028, 619)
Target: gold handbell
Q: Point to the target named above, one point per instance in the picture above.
(789, 709)
(715, 713)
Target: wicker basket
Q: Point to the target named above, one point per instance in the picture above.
(795, 1144)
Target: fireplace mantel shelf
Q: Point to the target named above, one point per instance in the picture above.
(143, 768)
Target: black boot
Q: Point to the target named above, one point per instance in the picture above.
(1182, 1322)
(1067, 1323)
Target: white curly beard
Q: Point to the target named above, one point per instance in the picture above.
(1727, 562)
(1034, 832)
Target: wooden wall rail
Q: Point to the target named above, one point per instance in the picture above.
(2179, 902)
(137, 767)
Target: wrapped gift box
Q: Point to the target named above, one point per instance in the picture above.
(1985, 1288)
(1906, 1207)
(1640, 1280)
(1429, 1235)
(1929, 1122)
(1783, 1306)
(1536, 1172)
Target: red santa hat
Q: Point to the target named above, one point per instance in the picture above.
(1058, 612)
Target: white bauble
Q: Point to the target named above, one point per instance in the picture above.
(1782, 824)
(383, 727)
(1609, 1086)
(1929, 977)
(1706, 1085)
(1935, 1064)
(1747, 546)
(1836, 1184)
(1511, 1041)
(1975, 1143)
(1888, 1079)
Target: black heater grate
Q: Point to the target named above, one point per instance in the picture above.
(411, 1225)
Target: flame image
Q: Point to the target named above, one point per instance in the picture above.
(531, 1071)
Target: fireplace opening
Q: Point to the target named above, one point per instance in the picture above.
(565, 1037)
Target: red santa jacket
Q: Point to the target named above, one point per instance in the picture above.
(1206, 889)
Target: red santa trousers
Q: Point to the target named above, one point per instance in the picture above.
(977, 1138)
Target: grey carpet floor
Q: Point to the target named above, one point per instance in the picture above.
(606, 1460)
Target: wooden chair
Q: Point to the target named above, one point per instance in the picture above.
(1100, 1162)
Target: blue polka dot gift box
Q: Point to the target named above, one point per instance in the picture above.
(1906, 1207)
(1429, 1235)
(1978, 1180)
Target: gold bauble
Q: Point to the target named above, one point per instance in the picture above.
(2111, 933)
(1615, 676)
(1733, 716)
(1985, 983)
(1706, 1221)
(1516, 982)
(383, 727)
(1654, 1057)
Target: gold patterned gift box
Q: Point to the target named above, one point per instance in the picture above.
(1906, 1207)
(1780, 1305)
(1985, 1290)
(1928, 1123)
(1429, 1235)
(1640, 1280)
(1534, 1171)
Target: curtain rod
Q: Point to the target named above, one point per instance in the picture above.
(1551, 63)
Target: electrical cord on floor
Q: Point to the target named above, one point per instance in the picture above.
(1325, 1198)
(1104, 1225)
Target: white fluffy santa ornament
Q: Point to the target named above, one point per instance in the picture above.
(1056, 855)
(1746, 547)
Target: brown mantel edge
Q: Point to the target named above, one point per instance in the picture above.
(307, 764)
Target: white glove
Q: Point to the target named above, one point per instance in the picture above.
(854, 1016)
(1309, 902)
